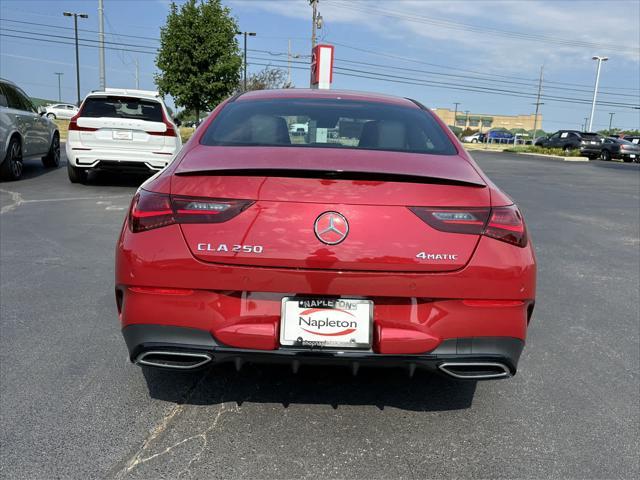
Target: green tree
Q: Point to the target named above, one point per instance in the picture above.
(199, 59)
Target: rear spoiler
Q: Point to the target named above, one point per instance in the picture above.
(328, 174)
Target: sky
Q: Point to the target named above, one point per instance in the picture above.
(484, 55)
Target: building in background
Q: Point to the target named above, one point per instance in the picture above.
(483, 122)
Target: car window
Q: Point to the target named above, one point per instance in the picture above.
(330, 123)
(3, 97)
(14, 99)
(123, 107)
(555, 135)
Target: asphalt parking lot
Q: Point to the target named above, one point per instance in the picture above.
(73, 407)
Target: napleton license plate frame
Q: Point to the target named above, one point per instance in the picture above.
(327, 344)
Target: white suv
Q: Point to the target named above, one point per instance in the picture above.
(122, 130)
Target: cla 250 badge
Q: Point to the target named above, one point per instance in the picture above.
(223, 247)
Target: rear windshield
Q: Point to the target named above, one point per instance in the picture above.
(122, 107)
(328, 123)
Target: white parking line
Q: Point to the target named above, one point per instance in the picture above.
(16, 200)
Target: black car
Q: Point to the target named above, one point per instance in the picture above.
(611, 147)
(568, 139)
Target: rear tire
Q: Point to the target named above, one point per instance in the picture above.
(11, 167)
(605, 155)
(626, 159)
(567, 149)
(52, 159)
(77, 175)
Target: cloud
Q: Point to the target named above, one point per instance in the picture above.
(554, 29)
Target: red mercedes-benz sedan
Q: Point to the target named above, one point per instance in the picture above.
(325, 227)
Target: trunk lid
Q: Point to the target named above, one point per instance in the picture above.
(293, 187)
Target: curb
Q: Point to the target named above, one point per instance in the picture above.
(553, 157)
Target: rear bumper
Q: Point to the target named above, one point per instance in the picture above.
(454, 351)
(119, 159)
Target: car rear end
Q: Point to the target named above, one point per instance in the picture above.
(628, 151)
(590, 145)
(376, 255)
(122, 131)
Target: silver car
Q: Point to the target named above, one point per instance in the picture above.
(24, 133)
(60, 110)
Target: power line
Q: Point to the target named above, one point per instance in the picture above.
(491, 31)
(490, 77)
(448, 85)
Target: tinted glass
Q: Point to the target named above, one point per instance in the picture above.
(328, 123)
(3, 97)
(14, 98)
(122, 107)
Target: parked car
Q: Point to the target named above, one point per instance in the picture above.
(60, 110)
(120, 130)
(475, 138)
(632, 138)
(24, 133)
(568, 139)
(253, 248)
(610, 148)
(299, 128)
(499, 136)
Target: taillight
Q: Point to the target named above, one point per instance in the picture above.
(150, 210)
(169, 132)
(454, 220)
(502, 223)
(506, 224)
(73, 125)
(153, 210)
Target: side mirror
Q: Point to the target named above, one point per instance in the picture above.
(177, 122)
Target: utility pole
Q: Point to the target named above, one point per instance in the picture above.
(586, 121)
(137, 73)
(314, 6)
(75, 26)
(595, 88)
(611, 114)
(59, 74)
(250, 34)
(455, 113)
(103, 81)
(537, 104)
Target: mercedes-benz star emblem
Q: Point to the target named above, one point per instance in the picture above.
(331, 228)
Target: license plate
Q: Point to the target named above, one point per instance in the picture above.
(122, 135)
(330, 322)
(632, 156)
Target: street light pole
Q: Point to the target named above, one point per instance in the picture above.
(611, 114)
(250, 34)
(103, 81)
(595, 89)
(59, 74)
(75, 26)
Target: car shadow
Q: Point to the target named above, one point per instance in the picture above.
(317, 385)
(114, 179)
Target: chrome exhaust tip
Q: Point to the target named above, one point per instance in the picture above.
(175, 360)
(475, 370)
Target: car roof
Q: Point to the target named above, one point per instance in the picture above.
(126, 92)
(297, 93)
